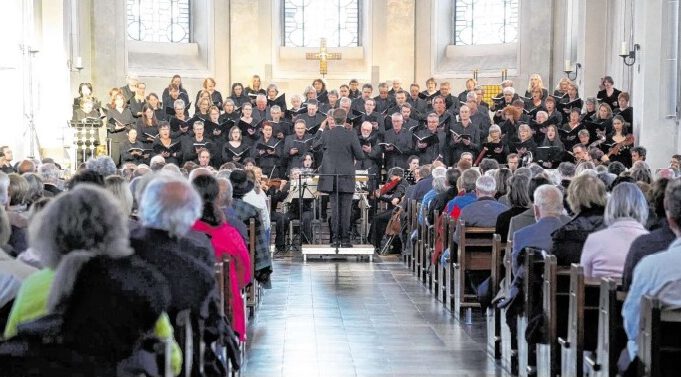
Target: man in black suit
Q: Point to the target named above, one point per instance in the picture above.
(341, 148)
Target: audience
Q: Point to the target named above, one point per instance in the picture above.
(483, 212)
(625, 215)
(519, 201)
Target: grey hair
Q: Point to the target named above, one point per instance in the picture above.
(471, 96)
(439, 171)
(226, 191)
(494, 128)
(36, 188)
(172, 169)
(5, 227)
(275, 107)
(103, 165)
(297, 96)
(626, 201)
(179, 103)
(86, 218)
(535, 169)
(468, 179)
(260, 97)
(440, 184)
(157, 162)
(566, 170)
(523, 171)
(345, 100)
(396, 116)
(544, 113)
(486, 185)
(549, 200)
(170, 204)
(120, 189)
(508, 90)
(49, 172)
(4, 189)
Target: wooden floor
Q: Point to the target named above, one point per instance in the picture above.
(343, 317)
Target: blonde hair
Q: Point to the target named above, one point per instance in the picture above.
(540, 83)
(586, 191)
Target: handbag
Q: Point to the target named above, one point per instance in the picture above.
(394, 227)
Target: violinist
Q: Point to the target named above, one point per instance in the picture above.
(617, 145)
(392, 193)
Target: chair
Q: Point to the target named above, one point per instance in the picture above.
(509, 354)
(583, 303)
(658, 341)
(493, 314)
(611, 337)
(474, 254)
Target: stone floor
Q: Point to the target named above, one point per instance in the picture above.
(343, 317)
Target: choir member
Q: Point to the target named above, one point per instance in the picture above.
(204, 158)
(419, 107)
(470, 87)
(238, 95)
(191, 145)
(368, 140)
(213, 125)
(589, 109)
(280, 127)
(320, 91)
(157, 106)
(508, 95)
(313, 119)
(398, 144)
(603, 118)
(452, 103)
(525, 146)
(85, 92)
(147, 126)
(215, 96)
(138, 100)
(332, 103)
(261, 110)
(554, 116)
(129, 89)
(358, 103)
(268, 151)
(509, 128)
(550, 151)
(203, 104)
(248, 125)
(344, 91)
(383, 100)
(609, 94)
(539, 126)
(86, 110)
(132, 150)
(439, 108)
(494, 147)
(297, 145)
(410, 123)
(396, 87)
(428, 142)
(536, 102)
(463, 136)
(175, 82)
(562, 88)
(536, 83)
(230, 112)
(169, 148)
(479, 99)
(624, 110)
(235, 150)
(309, 94)
(255, 88)
(617, 145)
(369, 115)
(179, 122)
(569, 132)
(175, 94)
(480, 118)
(570, 101)
(120, 120)
(354, 91)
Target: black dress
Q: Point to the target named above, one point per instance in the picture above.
(235, 154)
(610, 100)
(624, 155)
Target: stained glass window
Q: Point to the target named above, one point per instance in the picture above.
(480, 22)
(159, 20)
(305, 22)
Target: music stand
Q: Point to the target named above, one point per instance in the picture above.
(86, 137)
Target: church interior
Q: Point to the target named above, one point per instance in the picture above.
(266, 188)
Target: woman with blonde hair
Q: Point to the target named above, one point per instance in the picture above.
(215, 96)
(536, 83)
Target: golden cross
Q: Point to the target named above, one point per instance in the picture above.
(323, 56)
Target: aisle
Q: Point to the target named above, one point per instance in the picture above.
(348, 318)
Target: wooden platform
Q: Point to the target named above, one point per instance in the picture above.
(326, 250)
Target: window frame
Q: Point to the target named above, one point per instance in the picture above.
(360, 19)
(454, 33)
(189, 24)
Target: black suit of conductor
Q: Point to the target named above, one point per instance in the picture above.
(341, 148)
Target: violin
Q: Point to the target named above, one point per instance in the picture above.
(267, 183)
(389, 186)
(615, 149)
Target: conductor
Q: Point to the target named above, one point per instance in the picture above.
(337, 173)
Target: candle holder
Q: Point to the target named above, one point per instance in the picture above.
(630, 58)
(572, 74)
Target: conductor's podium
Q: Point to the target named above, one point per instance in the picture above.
(358, 251)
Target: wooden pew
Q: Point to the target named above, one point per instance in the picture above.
(658, 341)
(539, 267)
(611, 337)
(509, 353)
(583, 309)
(414, 227)
(493, 314)
(474, 254)
(254, 290)
(184, 334)
(442, 270)
(225, 292)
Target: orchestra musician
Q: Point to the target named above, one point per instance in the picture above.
(392, 193)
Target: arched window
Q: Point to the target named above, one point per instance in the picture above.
(159, 20)
(305, 22)
(480, 22)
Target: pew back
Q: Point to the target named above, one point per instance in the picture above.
(658, 342)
